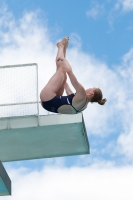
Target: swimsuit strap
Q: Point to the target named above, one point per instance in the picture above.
(80, 108)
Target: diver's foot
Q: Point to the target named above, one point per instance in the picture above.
(63, 43)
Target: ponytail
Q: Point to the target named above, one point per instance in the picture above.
(98, 97)
(102, 101)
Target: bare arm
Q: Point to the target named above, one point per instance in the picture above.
(78, 87)
(68, 89)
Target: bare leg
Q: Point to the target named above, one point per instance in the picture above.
(61, 54)
(54, 84)
(62, 46)
(66, 65)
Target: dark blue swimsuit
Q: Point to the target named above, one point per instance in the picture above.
(53, 104)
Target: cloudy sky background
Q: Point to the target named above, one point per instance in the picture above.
(101, 55)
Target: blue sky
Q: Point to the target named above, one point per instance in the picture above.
(101, 54)
(105, 31)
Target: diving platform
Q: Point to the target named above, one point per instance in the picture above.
(5, 182)
(34, 137)
(27, 131)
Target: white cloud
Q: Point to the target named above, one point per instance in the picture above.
(115, 87)
(122, 106)
(56, 183)
(125, 143)
(26, 40)
(95, 161)
(127, 5)
(75, 40)
(116, 83)
(96, 11)
(125, 140)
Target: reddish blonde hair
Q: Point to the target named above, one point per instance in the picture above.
(98, 97)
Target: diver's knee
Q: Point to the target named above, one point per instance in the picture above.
(59, 62)
(59, 59)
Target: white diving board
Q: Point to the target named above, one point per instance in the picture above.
(33, 137)
(5, 182)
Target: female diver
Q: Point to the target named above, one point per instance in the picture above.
(51, 95)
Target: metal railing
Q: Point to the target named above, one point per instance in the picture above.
(26, 102)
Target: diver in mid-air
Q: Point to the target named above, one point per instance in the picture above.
(51, 95)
